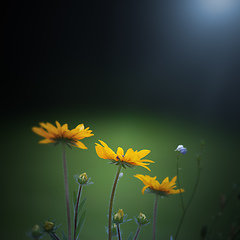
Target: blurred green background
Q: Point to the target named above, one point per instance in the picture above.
(32, 178)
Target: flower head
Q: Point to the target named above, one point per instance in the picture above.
(63, 134)
(118, 217)
(165, 188)
(142, 220)
(181, 149)
(83, 179)
(36, 232)
(49, 226)
(130, 158)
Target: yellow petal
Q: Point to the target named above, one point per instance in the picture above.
(80, 127)
(79, 145)
(143, 153)
(45, 141)
(144, 188)
(120, 151)
(40, 131)
(58, 125)
(129, 153)
(101, 152)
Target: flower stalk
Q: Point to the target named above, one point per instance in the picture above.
(137, 233)
(66, 190)
(194, 190)
(53, 235)
(119, 232)
(76, 211)
(155, 217)
(182, 202)
(111, 202)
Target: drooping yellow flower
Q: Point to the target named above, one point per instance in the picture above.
(62, 134)
(163, 189)
(130, 159)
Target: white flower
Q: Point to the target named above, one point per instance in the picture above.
(181, 149)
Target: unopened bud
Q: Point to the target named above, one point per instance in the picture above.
(36, 232)
(48, 226)
(82, 179)
(118, 217)
(142, 219)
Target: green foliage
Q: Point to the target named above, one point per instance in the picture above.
(81, 205)
(63, 235)
(130, 237)
(80, 223)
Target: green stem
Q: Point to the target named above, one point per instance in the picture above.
(155, 217)
(137, 233)
(55, 236)
(119, 232)
(178, 158)
(66, 191)
(76, 210)
(191, 198)
(111, 202)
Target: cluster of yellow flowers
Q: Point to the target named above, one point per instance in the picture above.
(131, 158)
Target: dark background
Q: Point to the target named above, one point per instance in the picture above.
(140, 74)
(170, 56)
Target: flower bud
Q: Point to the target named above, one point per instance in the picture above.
(118, 217)
(142, 219)
(82, 179)
(48, 226)
(36, 232)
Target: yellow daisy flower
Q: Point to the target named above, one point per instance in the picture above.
(130, 159)
(163, 189)
(62, 134)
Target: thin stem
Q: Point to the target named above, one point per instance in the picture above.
(55, 236)
(191, 198)
(119, 232)
(155, 216)
(178, 158)
(111, 202)
(76, 210)
(138, 231)
(66, 191)
(185, 210)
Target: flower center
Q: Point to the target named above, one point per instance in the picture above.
(120, 158)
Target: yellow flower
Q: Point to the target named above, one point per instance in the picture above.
(62, 133)
(163, 189)
(130, 159)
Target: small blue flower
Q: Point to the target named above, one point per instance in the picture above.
(181, 149)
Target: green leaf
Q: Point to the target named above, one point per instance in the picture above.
(80, 223)
(130, 236)
(81, 205)
(64, 236)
